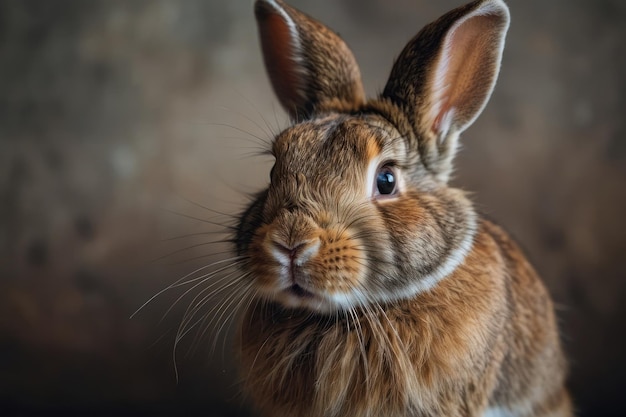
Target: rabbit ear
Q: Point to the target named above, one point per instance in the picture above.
(308, 64)
(445, 75)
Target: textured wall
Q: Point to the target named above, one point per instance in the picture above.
(115, 114)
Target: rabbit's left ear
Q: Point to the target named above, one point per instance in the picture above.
(443, 78)
(308, 64)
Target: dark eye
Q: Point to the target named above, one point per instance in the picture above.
(385, 181)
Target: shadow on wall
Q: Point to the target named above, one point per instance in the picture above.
(114, 116)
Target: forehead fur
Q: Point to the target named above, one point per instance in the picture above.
(333, 143)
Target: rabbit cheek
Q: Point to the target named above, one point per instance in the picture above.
(339, 266)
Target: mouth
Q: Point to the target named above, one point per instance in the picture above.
(299, 292)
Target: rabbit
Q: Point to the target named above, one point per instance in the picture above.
(378, 290)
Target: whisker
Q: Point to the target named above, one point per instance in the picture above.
(278, 124)
(232, 216)
(258, 152)
(256, 357)
(232, 311)
(202, 278)
(273, 131)
(183, 330)
(232, 228)
(208, 320)
(195, 258)
(178, 282)
(194, 306)
(359, 334)
(230, 299)
(391, 325)
(197, 245)
(238, 129)
(198, 234)
(257, 125)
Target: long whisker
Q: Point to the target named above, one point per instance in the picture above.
(272, 130)
(195, 258)
(257, 125)
(238, 130)
(232, 228)
(220, 213)
(179, 336)
(237, 296)
(391, 325)
(202, 279)
(195, 305)
(185, 328)
(224, 320)
(214, 232)
(359, 333)
(197, 245)
(180, 282)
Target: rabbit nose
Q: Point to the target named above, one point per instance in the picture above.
(295, 254)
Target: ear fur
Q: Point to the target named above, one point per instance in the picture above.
(309, 65)
(444, 77)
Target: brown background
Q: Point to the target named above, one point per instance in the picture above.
(113, 113)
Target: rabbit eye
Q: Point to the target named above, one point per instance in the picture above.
(385, 181)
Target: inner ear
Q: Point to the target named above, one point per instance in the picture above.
(464, 74)
(281, 46)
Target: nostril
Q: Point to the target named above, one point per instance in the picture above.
(289, 251)
(297, 253)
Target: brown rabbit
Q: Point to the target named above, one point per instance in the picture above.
(378, 290)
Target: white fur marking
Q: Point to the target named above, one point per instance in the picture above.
(280, 256)
(371, 176)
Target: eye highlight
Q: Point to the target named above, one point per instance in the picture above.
(386, 181)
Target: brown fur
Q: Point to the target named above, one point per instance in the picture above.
(331, 77)
(449, 352)
(404, 304)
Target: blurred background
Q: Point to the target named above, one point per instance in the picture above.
(123, 122)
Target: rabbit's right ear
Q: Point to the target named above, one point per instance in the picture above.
(308, 64)
(445, 75)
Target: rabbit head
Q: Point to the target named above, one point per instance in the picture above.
(358, 209)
